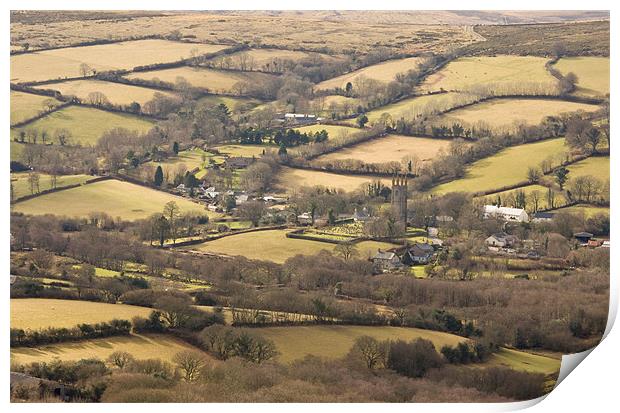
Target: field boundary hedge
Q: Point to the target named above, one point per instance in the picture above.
(62, 188)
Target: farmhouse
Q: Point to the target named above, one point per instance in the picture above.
(542, 217)
(298, 118)
(501, 239)
(505, 213)
(386, 260)
(239, 162)
(418, 254)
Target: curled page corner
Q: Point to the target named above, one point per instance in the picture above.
(571, 361)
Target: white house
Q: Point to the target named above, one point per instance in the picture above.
(501, 239)
(305, 218)
(505, 213)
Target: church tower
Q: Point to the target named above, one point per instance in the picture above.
(399, 198)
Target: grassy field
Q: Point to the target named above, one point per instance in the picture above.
(333, 131)
(587, 210)
(21, 186)
(506, 112)
(116, 93)
(140, 346)
(504, 71)
(273, 245)
(596, 166)
(235, 104)
(290, 179)
(528, 190)
(116, 198)
(508, 167)
(85, 124)
(520, 360)
(216, 81)
(266, 59)
(35, 313)
(382, 72)
(244, 150)
(192, 158)
(390, 148)
(63, 63)
(592, 73)
(335, 341)
(26, 105)
(417, 106)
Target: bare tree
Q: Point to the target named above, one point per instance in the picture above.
(120, 359)
(190, 362)
(85, 69)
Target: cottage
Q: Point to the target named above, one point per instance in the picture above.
(505, 213)
(501, 239)
(241, 199)
(419, 254)
(386, 260)
(361, 216)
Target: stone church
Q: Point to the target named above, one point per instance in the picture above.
(399, 198)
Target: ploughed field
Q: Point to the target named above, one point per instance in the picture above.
(273, 245)
(216, 81)
(115, 198)
(26, 106)
(148, 346)
(290, 179)
(507, 167)
(65, 63)
(505, 113)
(382, 72)
(391, 148)
(115, 93)
(86, 125)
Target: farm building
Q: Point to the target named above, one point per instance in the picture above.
(305, 218)
(239, 162)
(386, 260)
(298, 118)
(505, 213)
(583, 237)
(542, 217)
(501, 239)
